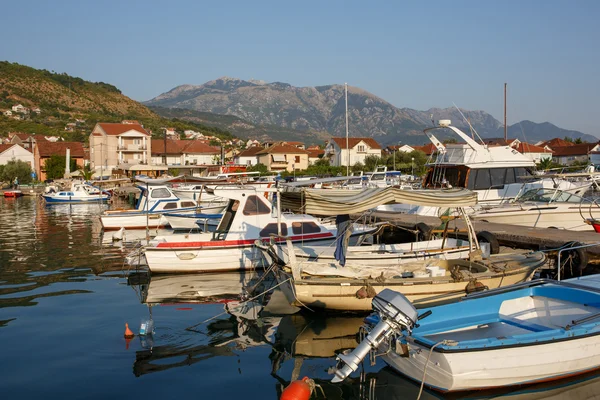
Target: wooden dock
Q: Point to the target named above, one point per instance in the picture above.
(508, 235)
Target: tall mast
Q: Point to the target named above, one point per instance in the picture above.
(505, 136)
(347, 149)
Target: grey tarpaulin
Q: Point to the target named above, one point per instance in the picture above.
(335, 202)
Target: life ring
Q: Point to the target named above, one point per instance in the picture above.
(267, 193)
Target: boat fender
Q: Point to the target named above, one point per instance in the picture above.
(128, 333)
(475, 286)
(489, 237)
(299, 390)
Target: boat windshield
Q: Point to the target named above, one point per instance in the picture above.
(549, 196)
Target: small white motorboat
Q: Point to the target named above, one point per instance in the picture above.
(522, 334)
(154, 201)
(80, 192)
(249, 216)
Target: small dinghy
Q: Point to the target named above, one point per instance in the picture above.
(527, 333)
(13, 193)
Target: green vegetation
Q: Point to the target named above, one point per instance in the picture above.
(65, 99)
(16, 169)
(262, 168)
(55, 166)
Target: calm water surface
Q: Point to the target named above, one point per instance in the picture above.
(66, 293)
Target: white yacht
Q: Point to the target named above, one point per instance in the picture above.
(543, 208)
(496, 173)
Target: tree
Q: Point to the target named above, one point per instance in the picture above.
(55, 166)
(578, 141)
(16, 169)
(568, 139)
(262, 168)
(372, 161)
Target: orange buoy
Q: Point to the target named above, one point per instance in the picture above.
(298, 390)
(128, 333)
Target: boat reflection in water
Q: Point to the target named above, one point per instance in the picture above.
(307, 344)
(237, 325)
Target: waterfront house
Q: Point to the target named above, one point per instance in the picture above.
(283, 157)
(249, 156)
(314, 154)
(567, 155)
(115, 144)
(10, 152)
(358, 149)
(44, 150)
(195, 152)
(183, 152)
(25, 140)
(535, 153)
(398, 148)
(7, 113)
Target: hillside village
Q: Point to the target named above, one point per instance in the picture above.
(127, 148)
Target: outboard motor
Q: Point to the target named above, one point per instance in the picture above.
(396, 314)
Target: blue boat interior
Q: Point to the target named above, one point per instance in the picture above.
(531, 315)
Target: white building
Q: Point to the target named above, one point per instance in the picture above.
(248, 156)
(358, 149)
(9, 152)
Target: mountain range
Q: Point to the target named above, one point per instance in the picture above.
(311, 114)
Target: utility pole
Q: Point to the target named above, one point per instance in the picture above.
(347, 149)
(165, 141)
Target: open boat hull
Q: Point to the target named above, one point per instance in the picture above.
(335, 293)
(213, 256)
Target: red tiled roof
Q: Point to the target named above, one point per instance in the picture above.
(295, 143)
(250, 151)
(47, 149)
(195, 146)
(574, 150)
(341, 142)
(4, 147)
(531, 148)
(173, 146)
(315, 153)
(282, 148)
(118, 129)
(428, 149)
(556, 142)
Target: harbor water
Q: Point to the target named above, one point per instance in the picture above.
(66, 294)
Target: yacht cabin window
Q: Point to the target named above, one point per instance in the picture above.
(188, 204)
(170, 206)
(305, 227)
(272, 229)
(160, 193)
(255, 206)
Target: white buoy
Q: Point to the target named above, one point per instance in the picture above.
(119, 235)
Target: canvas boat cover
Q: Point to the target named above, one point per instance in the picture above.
(336, 202)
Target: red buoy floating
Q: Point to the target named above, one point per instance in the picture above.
(298, 390)
(128, 333)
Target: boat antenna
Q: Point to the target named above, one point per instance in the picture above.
(469, 123)
(432, 121)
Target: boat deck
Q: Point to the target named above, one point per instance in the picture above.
(509, 235)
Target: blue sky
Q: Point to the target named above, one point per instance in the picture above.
(413, 54)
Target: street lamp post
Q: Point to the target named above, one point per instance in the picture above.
(412, 166)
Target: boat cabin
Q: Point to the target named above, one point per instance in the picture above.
(161, 198)
(463, 176)
(249, 215)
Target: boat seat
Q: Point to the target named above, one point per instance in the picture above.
(524, 324)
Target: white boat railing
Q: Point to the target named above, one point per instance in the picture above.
(569, 249)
